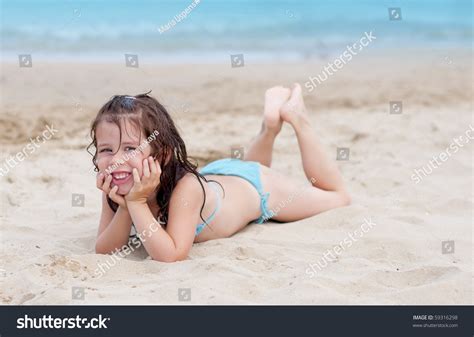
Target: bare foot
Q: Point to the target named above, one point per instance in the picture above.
(294, 110)
(274, 99)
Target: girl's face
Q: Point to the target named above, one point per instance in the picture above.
(119, 159)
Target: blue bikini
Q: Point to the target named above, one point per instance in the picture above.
(247, 170)
(201, 226)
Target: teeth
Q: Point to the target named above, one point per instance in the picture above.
(121, 176)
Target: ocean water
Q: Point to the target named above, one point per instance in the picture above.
(213, 29)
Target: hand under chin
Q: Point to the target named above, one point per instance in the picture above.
(122, 191)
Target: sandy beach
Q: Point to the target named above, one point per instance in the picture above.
(418, 251)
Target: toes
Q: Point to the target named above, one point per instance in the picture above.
(296, 90)
(274, 88)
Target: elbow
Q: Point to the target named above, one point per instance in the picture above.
(170, 258)
(99, 249)
(166, 259)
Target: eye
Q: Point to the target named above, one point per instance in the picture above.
(105, 150)
(130, 148)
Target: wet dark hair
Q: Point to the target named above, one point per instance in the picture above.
(149, 116)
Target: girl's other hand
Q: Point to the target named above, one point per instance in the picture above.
(144, 187)
(103, 184)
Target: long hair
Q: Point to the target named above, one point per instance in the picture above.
(146, 113)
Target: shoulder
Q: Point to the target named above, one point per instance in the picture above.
(189, 182)
(189, 188)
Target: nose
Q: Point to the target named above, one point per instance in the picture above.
(117, 159)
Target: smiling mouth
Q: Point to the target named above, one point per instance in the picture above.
(120, 177)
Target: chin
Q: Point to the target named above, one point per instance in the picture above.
(123, 190)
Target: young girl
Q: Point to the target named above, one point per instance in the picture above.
(148, 181)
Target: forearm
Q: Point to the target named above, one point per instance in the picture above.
(158, 243)
(116, 234)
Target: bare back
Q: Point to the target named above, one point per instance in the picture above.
(239, 206)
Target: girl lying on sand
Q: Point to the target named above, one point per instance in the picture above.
(148, 181)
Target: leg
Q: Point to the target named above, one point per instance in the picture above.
(261, 147)
(321, 171)
(292, 201)
(289, 201)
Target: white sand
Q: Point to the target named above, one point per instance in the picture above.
(48, 246)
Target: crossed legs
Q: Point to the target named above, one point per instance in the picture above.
(285, 105)
(261, 148)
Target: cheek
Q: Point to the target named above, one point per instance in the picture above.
(137, 163)
(102, 163)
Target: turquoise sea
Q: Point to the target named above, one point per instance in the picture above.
(213, 29)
